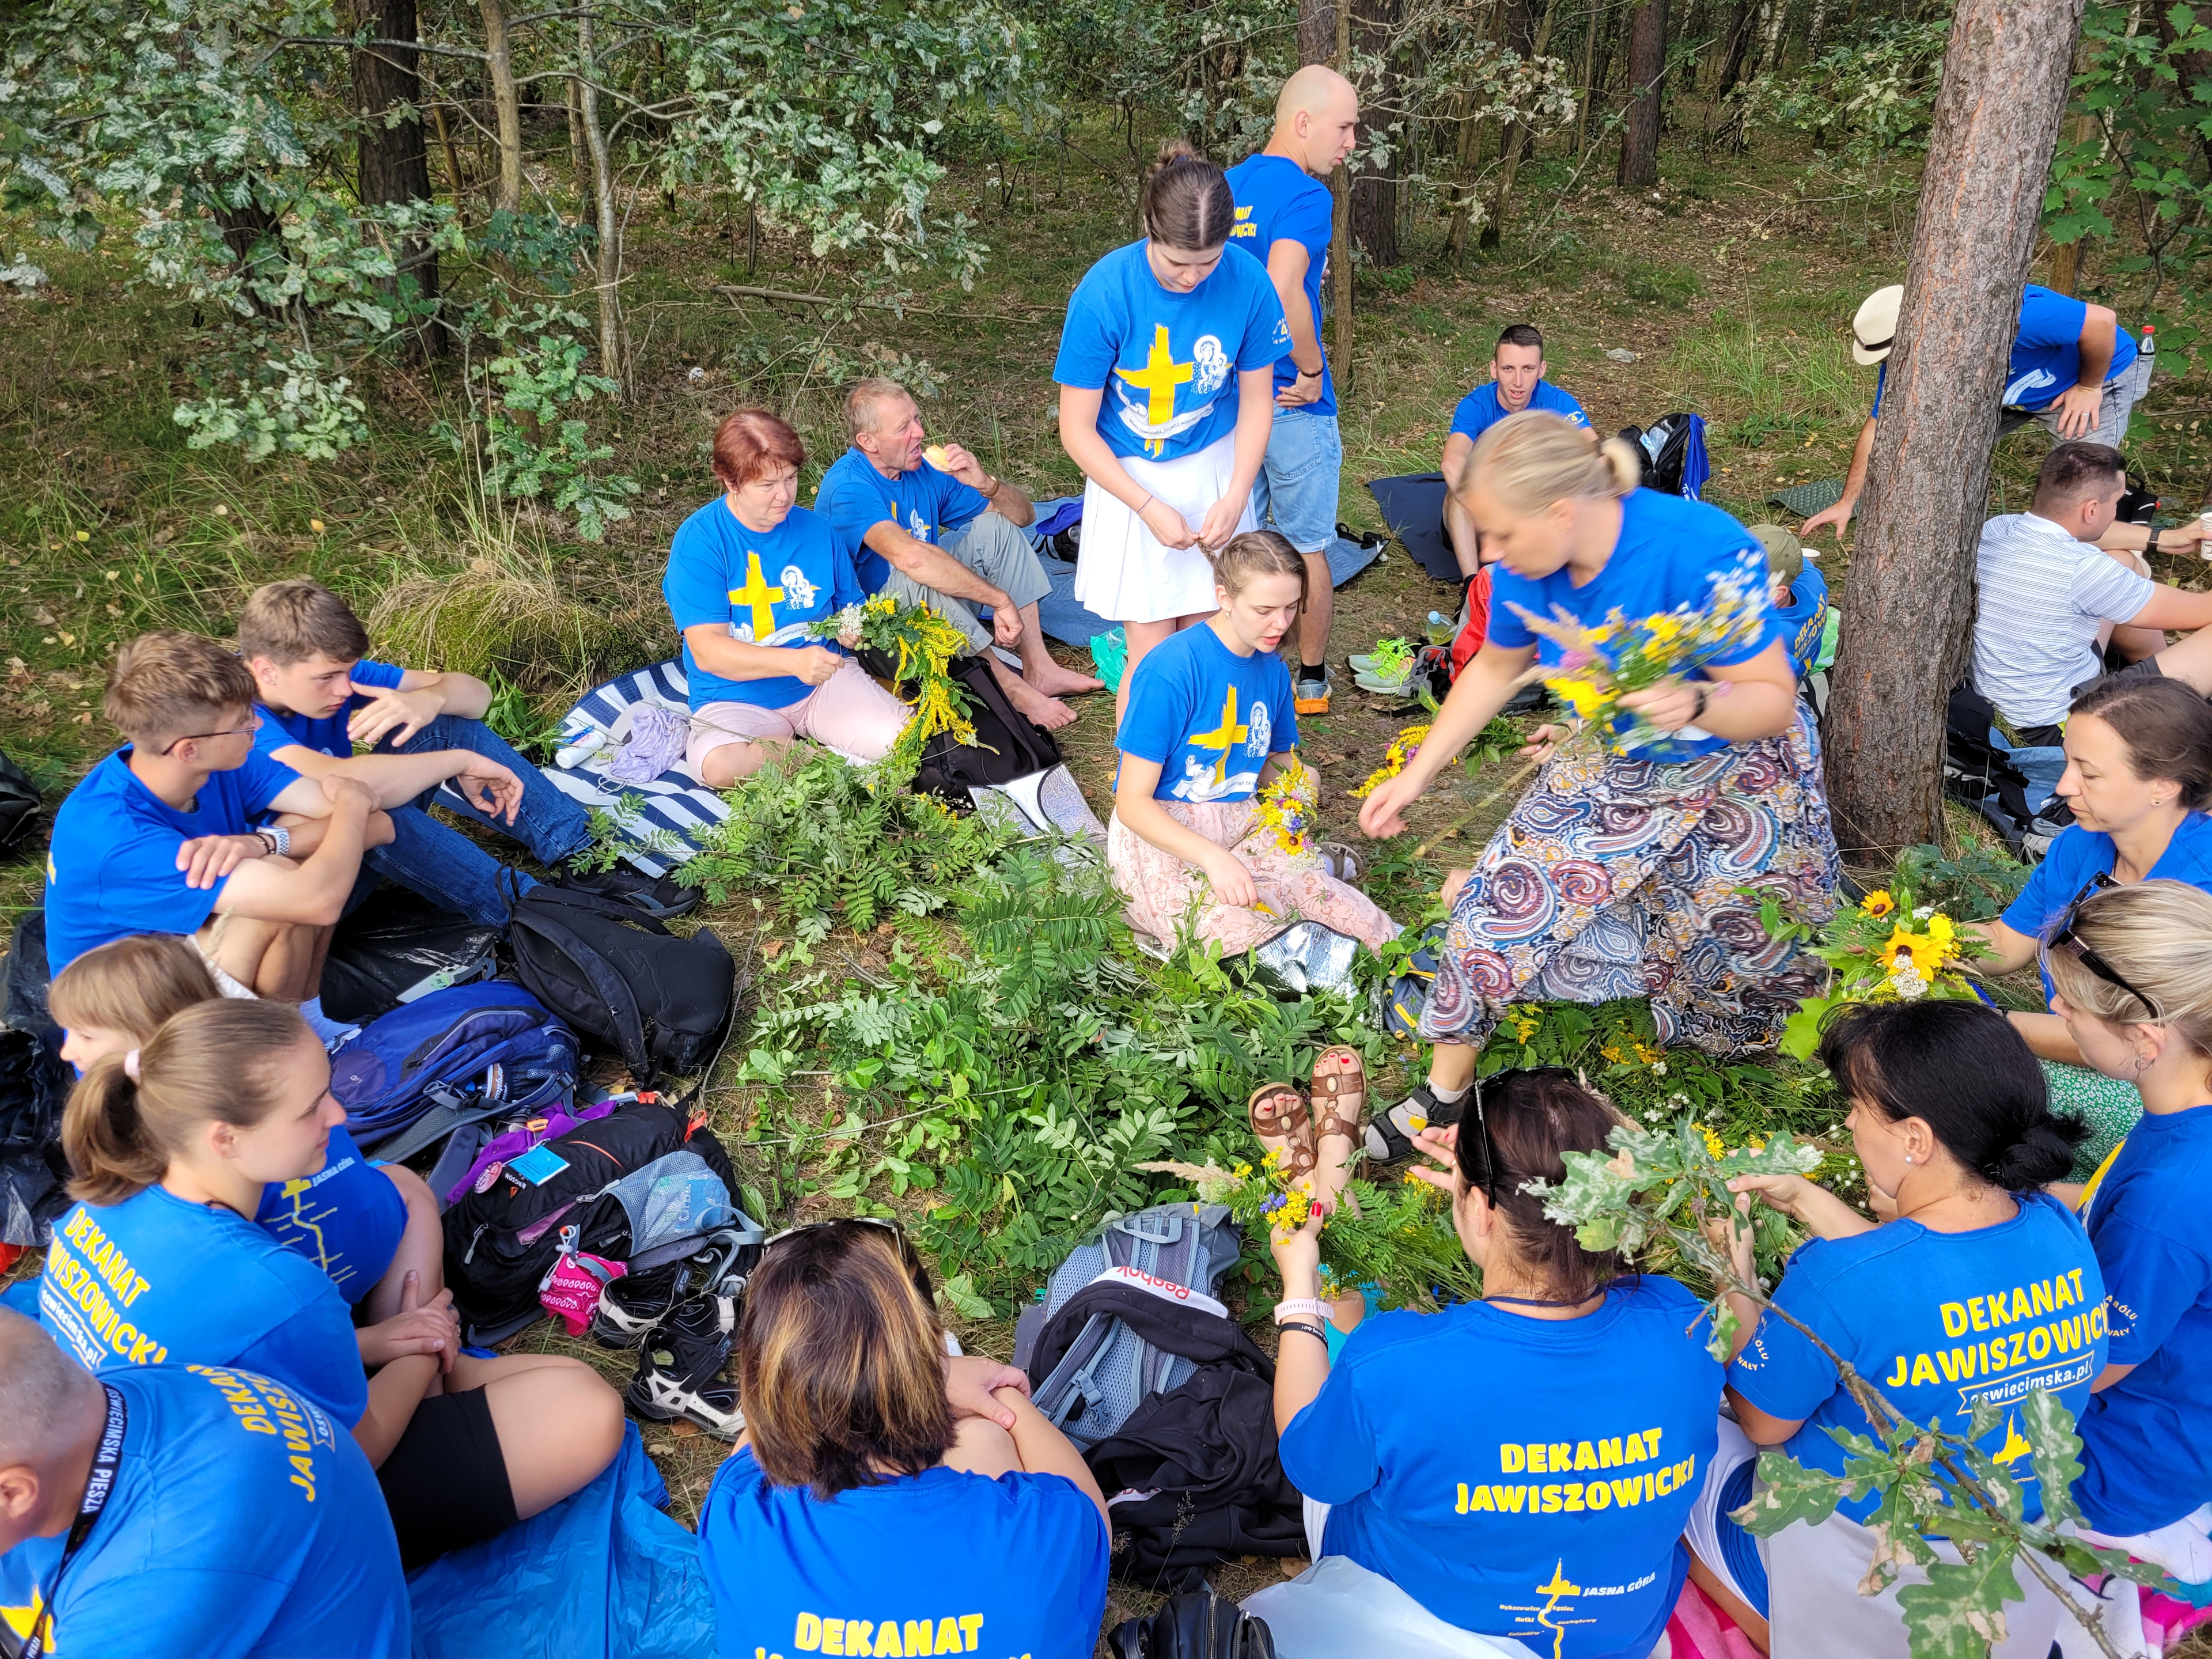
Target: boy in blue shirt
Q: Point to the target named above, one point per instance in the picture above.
(172, 1509)
(167, 834)
(1285, 217)
(319, 696)
(926, 523)
(1799, 597)
(1516, 383)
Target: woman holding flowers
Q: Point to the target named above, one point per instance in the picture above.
(1690, 788)
(2138, 777)
(1213, 813)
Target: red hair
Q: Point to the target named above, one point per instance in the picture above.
(750, 442)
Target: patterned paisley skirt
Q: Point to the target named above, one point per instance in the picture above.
(1617, 877)
(1165, 895)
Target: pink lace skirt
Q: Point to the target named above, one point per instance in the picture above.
(1166, 895)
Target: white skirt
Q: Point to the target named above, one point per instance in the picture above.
(1122, 573)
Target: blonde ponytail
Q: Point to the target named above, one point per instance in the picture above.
(1527, 461)
(208, 1064)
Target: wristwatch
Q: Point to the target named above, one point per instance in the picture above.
(2151, 546)
(275, 839)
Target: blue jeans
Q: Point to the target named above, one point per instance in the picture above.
(440, 862)
(1297, 486)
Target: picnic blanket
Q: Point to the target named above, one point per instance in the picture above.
(1414, 506)
(1070, 624)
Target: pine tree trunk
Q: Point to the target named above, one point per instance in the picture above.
(1739, 41)
(1340, 244)
(507, 105)
(1647, 62)
(1316, 31)
(1375, 189)
(1909, 596)
(393, 158)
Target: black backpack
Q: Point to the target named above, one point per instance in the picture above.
(35, 1083)
(1672, 451)
(1007, 745)
(19, 803)
(1196, 1624)
(503, 1234)
(615, 974)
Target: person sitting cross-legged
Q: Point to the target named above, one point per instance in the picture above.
(885, 1498)
(946, 534)
(175, 1510)
(162, 836)
(2050, 598)
(320, 694)
(1516, 383)
(749, 575)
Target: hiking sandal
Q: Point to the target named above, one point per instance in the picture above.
(1339, 1099)
(1390, 1135)
(1339, 860)
(1283, 1124)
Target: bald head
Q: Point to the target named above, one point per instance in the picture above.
(1316, 118)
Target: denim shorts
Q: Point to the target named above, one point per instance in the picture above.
(1297, 487)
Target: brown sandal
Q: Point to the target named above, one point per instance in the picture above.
(1278, 1113)
(1340, 1094)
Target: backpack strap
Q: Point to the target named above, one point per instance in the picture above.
(543, 922)
(445, 1115)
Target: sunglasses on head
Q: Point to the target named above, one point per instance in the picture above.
(1487, 1185)
(909, 1256)
(2066, 939)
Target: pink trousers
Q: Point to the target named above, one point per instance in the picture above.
(849, 712)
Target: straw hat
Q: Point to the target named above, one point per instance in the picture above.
(1874, 330)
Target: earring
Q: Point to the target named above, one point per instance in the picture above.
(1908, 1158)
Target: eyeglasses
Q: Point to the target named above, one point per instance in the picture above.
(253, 725)
(2066, 939)
(1488, 1185)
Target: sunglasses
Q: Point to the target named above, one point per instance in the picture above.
(909, 1258)
(2065, 940)
(1488, 1185)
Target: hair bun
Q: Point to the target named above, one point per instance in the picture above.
(2040, 1157)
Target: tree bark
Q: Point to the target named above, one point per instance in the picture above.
(1776, 21)
(1647, 62)
(1340, 244)
(1739, 41)
(1375, 189)
(507, 105)
(1493, 228)
(1816, 26)
(393, 156)
(1908, 600)
(1593, 24)
(1316, 31)
(613, 358)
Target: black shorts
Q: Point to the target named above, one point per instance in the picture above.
(446, 1482)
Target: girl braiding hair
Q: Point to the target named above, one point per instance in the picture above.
(1532, 1118)
(2154, 933)
(1257, 553)
(1186, 201)
(130, 985)
(1527, 461)
(132, 1113)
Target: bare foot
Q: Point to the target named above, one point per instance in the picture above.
(1049, 712)
(1047, 678)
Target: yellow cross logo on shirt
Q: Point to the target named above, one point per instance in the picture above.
(1160, 378)
(759, 595)
(1225, 736)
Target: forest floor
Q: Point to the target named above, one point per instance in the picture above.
(1727, 291)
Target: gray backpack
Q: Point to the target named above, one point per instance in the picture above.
(1178, 1252)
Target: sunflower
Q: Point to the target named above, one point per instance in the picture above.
(1878, 902)
(1924, 953)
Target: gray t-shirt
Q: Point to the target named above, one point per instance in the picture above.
(2043, 597)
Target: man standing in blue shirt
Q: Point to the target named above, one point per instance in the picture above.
(2074, 369)
(1283, 218)
(926, 523)
(1516, 383)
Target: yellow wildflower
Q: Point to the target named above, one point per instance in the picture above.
(1664, 629)
(1942, 933)
(1878, 902)
(1585, 699)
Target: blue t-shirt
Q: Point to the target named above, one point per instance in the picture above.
(1278, 201)
(281, 728)
(2144, 1453)
(1673, 555)
(346, 1218)
(1480, 410)
(155, 1280)
(2078, 856)
(764, 584)
(243, 1524)
(1168, 363)
(924, 503)
(2047, 351)
(1936, 1322)
(1548, 1503)
(1208, 716)
(1805, 620)
(939, 1562)
(111, 871)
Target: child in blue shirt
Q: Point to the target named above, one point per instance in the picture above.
(167, 834)
(1798, 597)
(236, 1517)
(425, 732)
(1210, 730)
(1979, 1287)
(748, 575)
(1155, 332)
(1517, 382)
(1547, 1504)
(900, 1502)
(2147, 1474)
(175, 1145)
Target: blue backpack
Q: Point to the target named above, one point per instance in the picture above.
(440, 1067)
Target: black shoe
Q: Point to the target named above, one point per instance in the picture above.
(631, 1306)
(679, 1372)
(658, 896)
